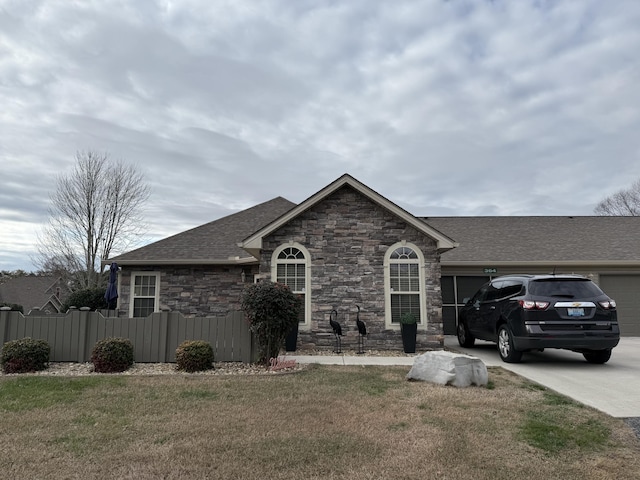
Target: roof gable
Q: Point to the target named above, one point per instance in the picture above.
(212, 243)
(253, 243)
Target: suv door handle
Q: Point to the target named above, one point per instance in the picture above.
(492, 307)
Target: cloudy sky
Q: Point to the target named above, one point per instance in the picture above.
(458, 107)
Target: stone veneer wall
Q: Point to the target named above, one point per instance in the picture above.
(347, 236)
(194, 291)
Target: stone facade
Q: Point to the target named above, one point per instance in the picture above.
(194, 291)
(347, 236)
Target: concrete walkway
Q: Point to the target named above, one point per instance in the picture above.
(351, 359)
(613, 388)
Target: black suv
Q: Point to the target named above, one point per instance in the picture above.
(532, 312)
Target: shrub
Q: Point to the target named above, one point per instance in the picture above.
(25, 355)
(273, 310)
(408, 318)
(91, 297)
(112, 355)
(194, 356)
(13, 306)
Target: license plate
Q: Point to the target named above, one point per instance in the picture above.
(575, 312)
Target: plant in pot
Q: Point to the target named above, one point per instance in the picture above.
(409, 330)
(291, 340)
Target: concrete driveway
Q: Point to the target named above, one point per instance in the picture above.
(613, 388)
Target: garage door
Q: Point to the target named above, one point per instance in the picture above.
(455, 289)
(625, 290)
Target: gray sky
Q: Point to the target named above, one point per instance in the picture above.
(459, 107)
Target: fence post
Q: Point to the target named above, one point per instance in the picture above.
(4, 324)
(82, 334)
(164, 336)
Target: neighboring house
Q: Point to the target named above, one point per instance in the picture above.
(45, 293)
(345, 246)
(605, 249)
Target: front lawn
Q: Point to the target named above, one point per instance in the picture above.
(324, 422)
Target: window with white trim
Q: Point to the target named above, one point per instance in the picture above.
(144, 294)
(404, 283)
(290, 267)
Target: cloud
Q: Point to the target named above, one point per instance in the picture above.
(445, 107)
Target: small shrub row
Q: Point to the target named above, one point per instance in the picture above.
(25, 355)
(29, 355)
(111, 355)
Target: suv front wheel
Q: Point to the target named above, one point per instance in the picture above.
(505, 346)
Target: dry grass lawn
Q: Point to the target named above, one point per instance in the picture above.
(320, 423)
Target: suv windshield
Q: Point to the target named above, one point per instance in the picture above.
(565, 288)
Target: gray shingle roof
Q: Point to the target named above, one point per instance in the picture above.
(214, 242)
(32, 291)
(538, 239)
(579, 239)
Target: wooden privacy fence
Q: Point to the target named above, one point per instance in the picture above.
(155, 338)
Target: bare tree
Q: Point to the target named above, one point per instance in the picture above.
(625, 202)
(95, 210)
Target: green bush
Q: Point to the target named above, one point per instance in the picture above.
(13, 306)
(112, 355)
(194, 356)
(273, 310)
(408, 318)
(91, 297)
(25, 355)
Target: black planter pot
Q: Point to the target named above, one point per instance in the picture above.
(291, 340)
(409, 332)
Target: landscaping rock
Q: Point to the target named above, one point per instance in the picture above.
(448, 368)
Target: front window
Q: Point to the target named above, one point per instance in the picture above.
(289, 267)
(144, 297)
(404, 282)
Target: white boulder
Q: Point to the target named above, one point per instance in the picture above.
(448, 368)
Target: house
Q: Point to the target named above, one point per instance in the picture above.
(345, 246)
(348, 246)
(34, 292)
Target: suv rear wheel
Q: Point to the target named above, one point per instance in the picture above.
(505, 346)
(465, 339)
(597, 356)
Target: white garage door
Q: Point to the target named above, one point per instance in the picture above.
(625, 290)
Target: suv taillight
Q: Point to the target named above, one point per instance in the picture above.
(608, 305)
(531, 305)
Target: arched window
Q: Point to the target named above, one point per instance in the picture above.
(290, 266)
(404, 283)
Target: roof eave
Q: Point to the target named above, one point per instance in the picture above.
(446, 246)
(534, 263)
(192, 261)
